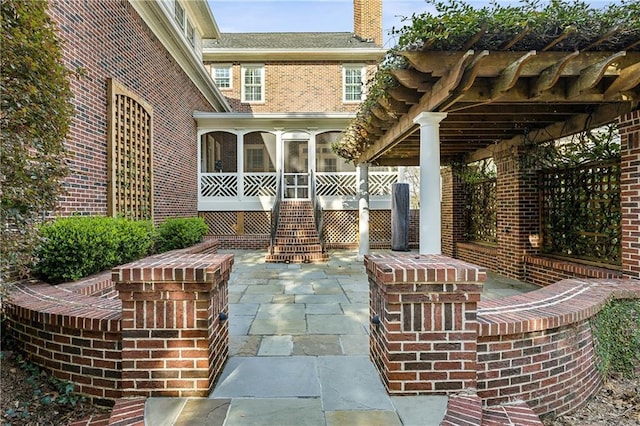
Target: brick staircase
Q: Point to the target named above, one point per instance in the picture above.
(297, 240)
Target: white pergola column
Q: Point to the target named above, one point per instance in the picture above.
(402, 174)
(362, 171)
(430, 215)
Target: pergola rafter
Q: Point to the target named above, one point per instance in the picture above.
(497, 96)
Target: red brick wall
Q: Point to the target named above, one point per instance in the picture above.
(629, 126)
(552, 370)
(453, 211)
(518, 214)
(108, 39)
(546, 271)
(295, 87)
(538, 347)
(76, 338)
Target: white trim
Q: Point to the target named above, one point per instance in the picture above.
(339, 54)
(243, 97)
(159, 18)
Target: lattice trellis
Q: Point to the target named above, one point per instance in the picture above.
(219, 185)
(482, 218)
(260, 185)
(380, 184)
(335, 184)
(380, 225)
(340, 226)
(581, 213)
(257, 223)
(220, 223)
(130, 153)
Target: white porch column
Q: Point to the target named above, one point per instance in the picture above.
(279, 160)
(402, 174)
(362, 172)
(430, 215)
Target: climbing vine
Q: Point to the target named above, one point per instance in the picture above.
(617, 333)
(454, 25)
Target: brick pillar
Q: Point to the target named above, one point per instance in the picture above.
(426, 336)
(453, 210)
(517, 211)
(629, 127)
(174, 342)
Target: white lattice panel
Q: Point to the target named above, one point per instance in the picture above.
(219, 185)
(260, 185)
(337, 184)
(380, 184)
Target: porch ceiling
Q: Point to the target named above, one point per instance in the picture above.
(494, 97)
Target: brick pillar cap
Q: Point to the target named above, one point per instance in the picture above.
(204, 267)
(423, 268)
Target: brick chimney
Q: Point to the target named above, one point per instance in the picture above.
(367, 20)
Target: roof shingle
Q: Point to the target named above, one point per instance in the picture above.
(288, 41)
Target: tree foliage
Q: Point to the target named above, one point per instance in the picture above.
(35, 114)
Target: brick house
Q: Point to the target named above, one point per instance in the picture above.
(140, 77)
(292, 95)
(219, 119)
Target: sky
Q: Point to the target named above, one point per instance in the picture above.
(239, 16)
(235, 16)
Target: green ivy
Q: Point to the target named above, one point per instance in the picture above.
(35, 100)
(617, 332)
(454, 23)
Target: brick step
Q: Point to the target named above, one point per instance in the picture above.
(292, 235)
(306, 224)
(305, 241)
(300, 249)
(297, 258)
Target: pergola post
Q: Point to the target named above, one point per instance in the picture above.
(363, 209)
(430, 216)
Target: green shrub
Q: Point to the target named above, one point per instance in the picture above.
(179, 233)
(617, 332)
(78, 246)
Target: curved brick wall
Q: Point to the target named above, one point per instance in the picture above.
(78, 336)
(538, 347)
(75, 337)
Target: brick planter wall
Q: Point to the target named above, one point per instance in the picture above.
(89, 341)
(426, 339)
(75, 337)
(546, 271)
(173, 340)
(478, 254)
(538, 347)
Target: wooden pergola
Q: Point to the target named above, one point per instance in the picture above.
(467, 104)
(499, 97)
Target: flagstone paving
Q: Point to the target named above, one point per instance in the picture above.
(298, 352)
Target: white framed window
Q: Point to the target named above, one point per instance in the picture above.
(223, 75)
(191, 34)
(353, 83)
(252, 83)
(178, 13)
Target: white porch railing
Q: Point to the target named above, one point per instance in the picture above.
(239, 190)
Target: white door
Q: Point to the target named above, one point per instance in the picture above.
(296, 170)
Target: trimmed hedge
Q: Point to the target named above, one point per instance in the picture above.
(177, 233)
(78, 246)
